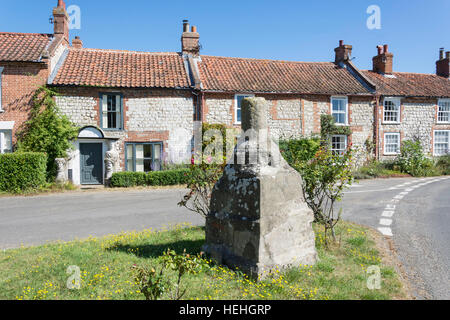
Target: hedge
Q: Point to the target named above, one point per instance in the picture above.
(154, 178)
(22, 171)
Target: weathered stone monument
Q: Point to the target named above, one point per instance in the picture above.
(258, 218)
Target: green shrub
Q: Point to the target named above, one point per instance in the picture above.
(413, 161)
(155, 178)
(22, 171)
(443, 164)
(377, 169)
(302, 149)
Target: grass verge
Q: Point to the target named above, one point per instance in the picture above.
(106, 263)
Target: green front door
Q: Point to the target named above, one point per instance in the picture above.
(91, 166)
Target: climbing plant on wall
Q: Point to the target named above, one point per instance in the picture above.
(47, 130)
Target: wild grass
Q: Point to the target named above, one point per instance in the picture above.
(106, 269)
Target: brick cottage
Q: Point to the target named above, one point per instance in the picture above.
(142, 106)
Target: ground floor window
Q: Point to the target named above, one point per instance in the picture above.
(338, 144)
(5, 141)
(391, 143)
(441, 142)
(143, 157)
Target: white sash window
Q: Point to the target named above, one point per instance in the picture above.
(111, 111)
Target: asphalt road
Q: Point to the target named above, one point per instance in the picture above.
(40, 219)
(415, 212)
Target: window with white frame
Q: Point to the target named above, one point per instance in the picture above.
(441, 142)
(111, 110)
(237, 106)
(1, 71)
(338, 144)
(443, 111)
(391, 143)
(391, 110)
(339, 109)
(5, 141)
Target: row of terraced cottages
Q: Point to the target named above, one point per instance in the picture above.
(144, 105)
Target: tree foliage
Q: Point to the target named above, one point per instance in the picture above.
(47, 130)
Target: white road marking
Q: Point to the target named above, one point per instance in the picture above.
(386, 222)
(388, 214)
(386, 231)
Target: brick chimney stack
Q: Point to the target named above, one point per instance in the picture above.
(77, 43)
(190, 40)
(61, 22)
(383, 61)
(442, 65)
(343, 52)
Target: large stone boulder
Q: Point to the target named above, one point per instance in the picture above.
(258, 218)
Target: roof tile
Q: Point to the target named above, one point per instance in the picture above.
(112, 68)
(26, 47)
(254, 75)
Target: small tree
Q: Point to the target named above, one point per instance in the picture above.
(324, 179)
(203, 176)
(47, 130)
(325, 174)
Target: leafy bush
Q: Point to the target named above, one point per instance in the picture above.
(377, 169)
(443, 164)
(22, 171)
(47, 130)
(413, 161)
(302, 149)
(154, 178)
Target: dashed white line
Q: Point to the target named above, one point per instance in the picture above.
(388, 214)
(386, 222)
(386, 217)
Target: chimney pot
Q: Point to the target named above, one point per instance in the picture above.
(77, 43)
(380, 50)
(341, 43)
(61, 4)
(185, 25)
(441, 53)
(385, 48)
(447, 55)
(194, 29)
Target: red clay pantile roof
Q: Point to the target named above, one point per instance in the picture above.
(254, 75)
(410, 84)
(27, 47)
(111, 68)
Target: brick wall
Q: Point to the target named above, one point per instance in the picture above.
(19, 82)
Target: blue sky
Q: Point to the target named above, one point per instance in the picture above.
(288, 30)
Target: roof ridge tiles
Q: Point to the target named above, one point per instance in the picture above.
(124, 51)
(270, 60)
